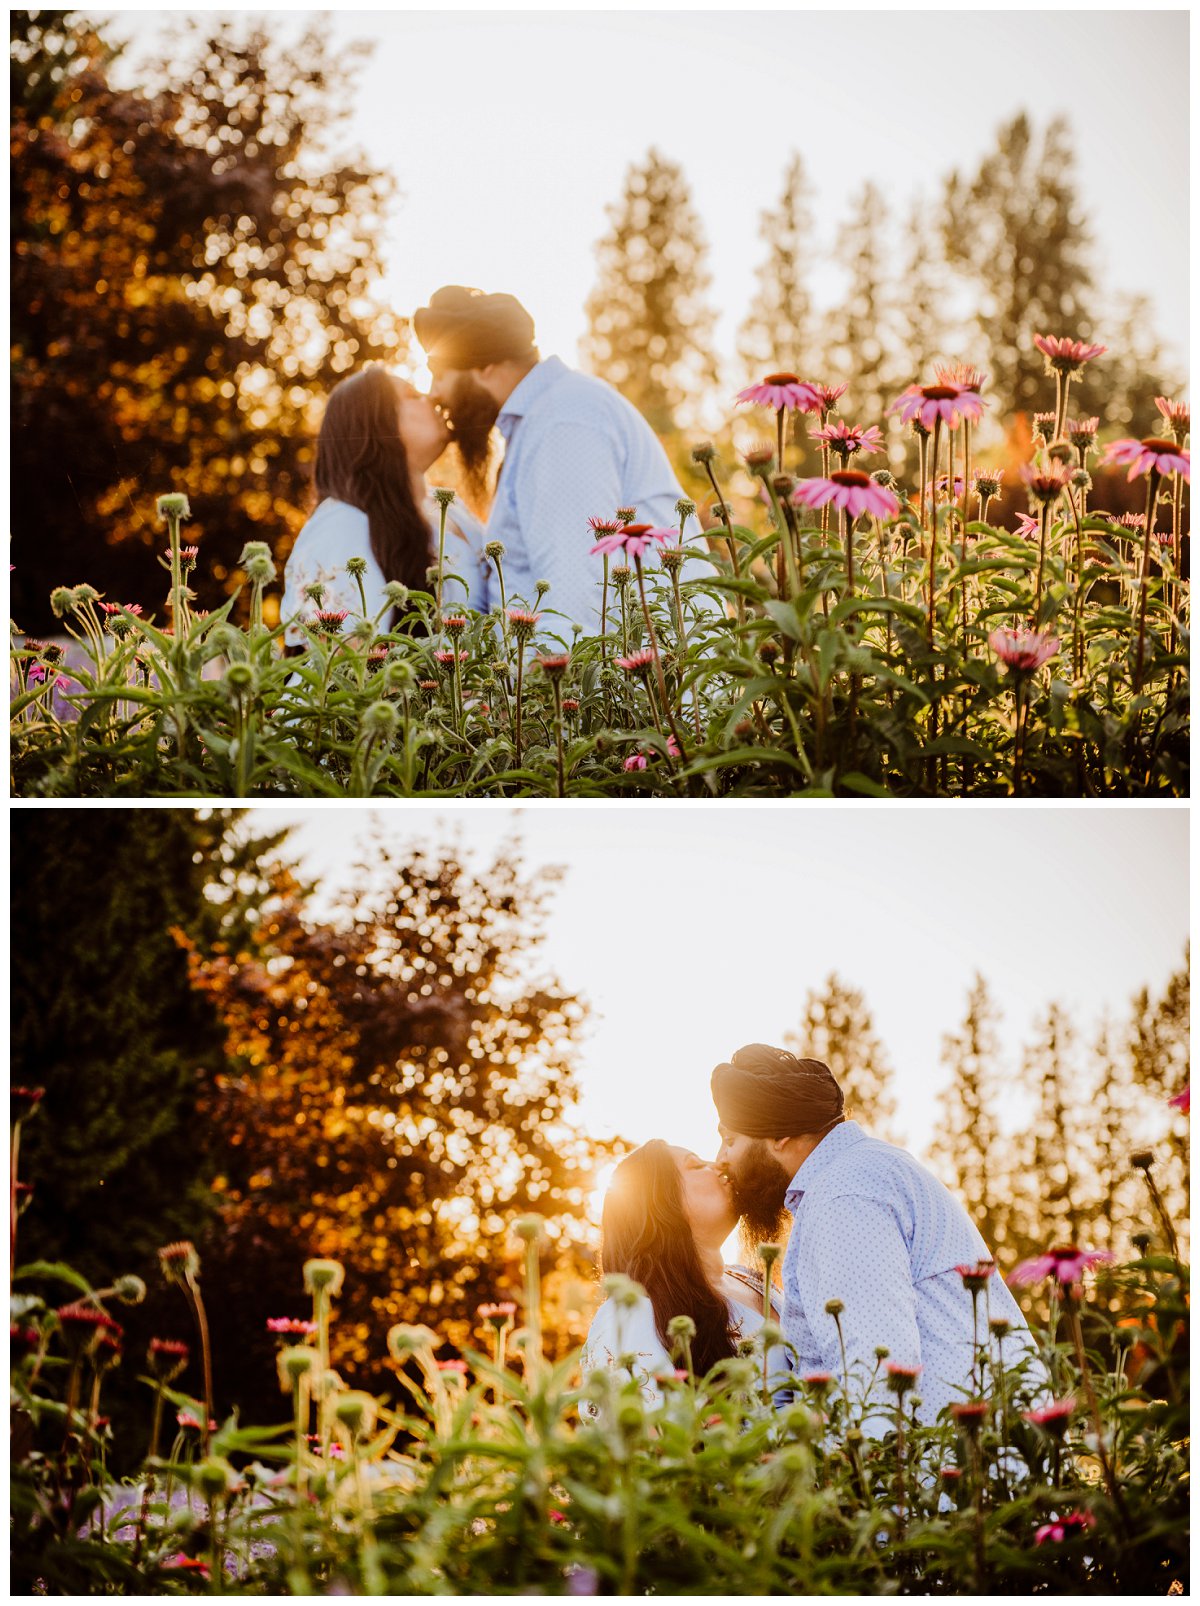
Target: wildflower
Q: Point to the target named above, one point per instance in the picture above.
(330, 620)
(111, 608)
(322, 1276)
(846, 439)
(530, 1229)
(943, 489)
(819, 1382)
(975, 1278)
(502, 1312)
(168, 1357)
(638, 663)
(685, 507)
(673, 558)
(632, 540)
(704, 453)
(1177, 414)
(257, 561)
(780, 391)
(635, 761)
(395, 595)
(1043, 424)
(179, 1261)
(1071, 1526)
(961, 374)
(81, 1319)
(1066, 1265)
(849, 491)
(626, 515)
(1150, 454)
(315, 592)
(445, 656)
(824, 397)
(623, 1291)
(454, 624)
(928, 403)
(1053, 1417)
(1000, 1326)
(970, 1414)
(901, 1378)
(602, 528)
(555, 665)
(1133, 521)
(452, 1366)
(22, 1341)
(950, 1474)
(174, 505)
(442, 495)
(177, 1564)
(1065, 356)
(985, 482)
(494, 550)
(759, 458)
(834, 1307)
(1081, 432)
(1023, 651)
(1044, 484)
(523, 623)
(62, 600)
(1182, 1101)
(541, 587)
(291, 1326)
(570, 705)
(404, 1338)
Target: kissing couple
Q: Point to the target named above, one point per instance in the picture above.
(879, 1254)
(575, 451)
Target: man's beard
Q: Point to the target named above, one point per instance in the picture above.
(472, 412)
(759, 1185)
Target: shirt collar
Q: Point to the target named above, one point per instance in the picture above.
(527, 391)
(842, 1137)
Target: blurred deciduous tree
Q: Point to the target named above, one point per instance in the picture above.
(649, 326)
(859, 345)
(405, 1087)
(191, 273)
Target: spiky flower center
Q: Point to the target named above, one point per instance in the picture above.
(850, 476)
(781, 379)
(939, 392)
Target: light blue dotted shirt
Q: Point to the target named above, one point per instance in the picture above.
(875, 1229)
(574, 449)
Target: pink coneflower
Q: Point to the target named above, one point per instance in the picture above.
(986, 482)
(111, 608)
(638, 663)
(1045, 484)
(818, 1380)
(850, 492)
(975, 1278)
(522, 621)
(1081, 432)
(79, 1315)
(505, 1309)
(926, 404)
(330, 620)
(174, 1347)
(824, 397)
(1043, 425)
(1055, 1416)
(1066, 1265)
(759, 457)
(291, 1326)
(570, 705)
(1133, 521)
(780, 391)
(179, 1260)
(846, 439)
(950, 1474)
(1182, 1101)
(452, 1366)
(446, 656)
(555, 664)
(635, 761)
(38, 674)
(1065, 356)
(1071, 1526)
(1023, 650)
(188, 1419)
(1151, 454)
(961, 374)
(943, 486)
(179, 1564)
(1177, 414)
(901, 1378)
(601, 526)
(632, 540)
(454, 624)
(1027, 525)
(970, 1414)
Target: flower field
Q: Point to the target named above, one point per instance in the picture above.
(499, 1471)
(858, 636)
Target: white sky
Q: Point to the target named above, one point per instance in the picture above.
(509, 132)
(694, 929)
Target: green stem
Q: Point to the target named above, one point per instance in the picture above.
(1144, 583)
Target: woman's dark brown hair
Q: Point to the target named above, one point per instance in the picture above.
(647, 1236)
(361, 460)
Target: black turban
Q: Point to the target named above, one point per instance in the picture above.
(463, 328)
(768, 1093)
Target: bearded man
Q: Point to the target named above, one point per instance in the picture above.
(575, 449)
(877, 1244)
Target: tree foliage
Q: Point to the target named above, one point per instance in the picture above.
(191, 270)
(838, 1028)
(404, 1087)
(779, 331)
(649, 326)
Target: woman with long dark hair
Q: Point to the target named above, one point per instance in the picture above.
(667, 1214)
(378, 437)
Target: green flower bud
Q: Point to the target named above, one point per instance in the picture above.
(240, 678)
(174, 505)
(623, 1291)
(323, 1275)
(531, 1229)
(315, 592)
(356, 567)
(395, 594)
(62, 600)
(834, 1307)
(356, 1410)
(680, 1327)
(685, 507)
(405, 1339)
(379, 721)
(257, 561)
(442, 495)
(130, 1290)
(215, 1478)
(494, 550)
(294, 1362)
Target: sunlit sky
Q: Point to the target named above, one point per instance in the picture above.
(509, 132)
(695, 929)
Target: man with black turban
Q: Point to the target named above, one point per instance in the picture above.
(575, 449)
(877, 1246)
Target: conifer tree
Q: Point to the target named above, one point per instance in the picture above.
(778, 333)
(1050, 1072)
(1015, 229)
(967, 1151)
(649, 326)
(837, 1027)
(859, 350)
